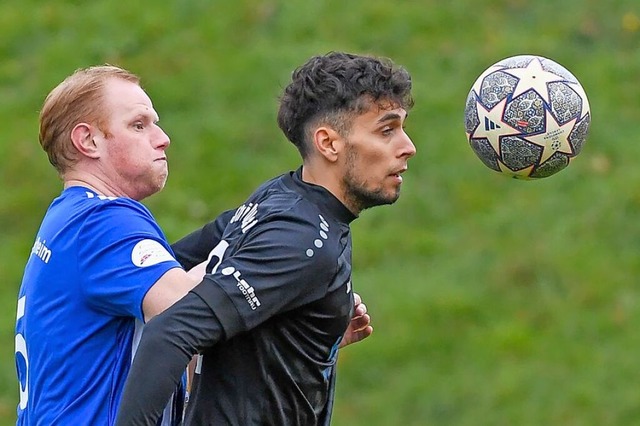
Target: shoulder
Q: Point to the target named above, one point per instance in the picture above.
(107, 218)
(291, 224)
(81, 199)
(119, 210)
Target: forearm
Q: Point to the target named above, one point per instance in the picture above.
(167, 345)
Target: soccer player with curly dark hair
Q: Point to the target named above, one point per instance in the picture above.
(268, 319)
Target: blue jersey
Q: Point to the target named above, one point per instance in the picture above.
(93, 260)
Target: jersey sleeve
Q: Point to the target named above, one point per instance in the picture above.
(195, 247)
(276, 266)
(122, 253)
(168, 342)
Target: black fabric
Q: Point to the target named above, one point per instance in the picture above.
(279, 283)
(195, 247)
(167, 345)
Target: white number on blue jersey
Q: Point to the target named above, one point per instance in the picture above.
(21, 350)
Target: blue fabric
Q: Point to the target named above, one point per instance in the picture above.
(93, 261)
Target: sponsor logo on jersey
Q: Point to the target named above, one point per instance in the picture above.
(247, 214)
(41, 250)
(149, 252)
(244, 287)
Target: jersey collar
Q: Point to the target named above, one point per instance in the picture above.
(319, 195)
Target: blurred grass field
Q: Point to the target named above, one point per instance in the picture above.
(494, 301)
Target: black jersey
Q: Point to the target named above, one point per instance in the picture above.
(267, 319)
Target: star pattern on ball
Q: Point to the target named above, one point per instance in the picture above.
(491, 126)
(554, 140)
(477, 86)
(533, 76)
(522, 173)
(583, 96)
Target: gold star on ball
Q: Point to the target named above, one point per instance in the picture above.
(491, 126)
(533, 76)
(520, 174)
(554, 140)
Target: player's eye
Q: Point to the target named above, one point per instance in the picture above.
(386, 131)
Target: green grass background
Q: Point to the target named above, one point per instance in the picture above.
(494, 301)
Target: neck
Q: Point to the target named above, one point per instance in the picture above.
(329, 181)
(93, 182)
(321, 178)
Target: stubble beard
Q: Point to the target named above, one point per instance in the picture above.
(155, 185)
(357, 196)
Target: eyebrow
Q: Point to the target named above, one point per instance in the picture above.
(145, 114)
(390, 116)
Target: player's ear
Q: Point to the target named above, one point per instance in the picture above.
(83, 140)
(327, 142)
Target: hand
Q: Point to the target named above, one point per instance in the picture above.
(360, 326)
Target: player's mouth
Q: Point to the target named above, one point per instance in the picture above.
(397, 175)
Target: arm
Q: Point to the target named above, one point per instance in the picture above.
(192, 252)
(196, 246)
(176, 283)
(167, 345)
(170, 288)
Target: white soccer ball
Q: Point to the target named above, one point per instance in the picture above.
(527, 117)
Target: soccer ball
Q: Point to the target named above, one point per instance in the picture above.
(527, 117)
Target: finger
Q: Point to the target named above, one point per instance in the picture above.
(360, 310)
(360, 323)
(362, 334)
(356, 336)
(356, 299)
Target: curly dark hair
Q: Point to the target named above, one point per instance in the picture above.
(332, 88)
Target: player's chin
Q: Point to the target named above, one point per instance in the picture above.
(392, 199)
(157, 184)
(390, 196)
(393, 193)
(161, 181)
